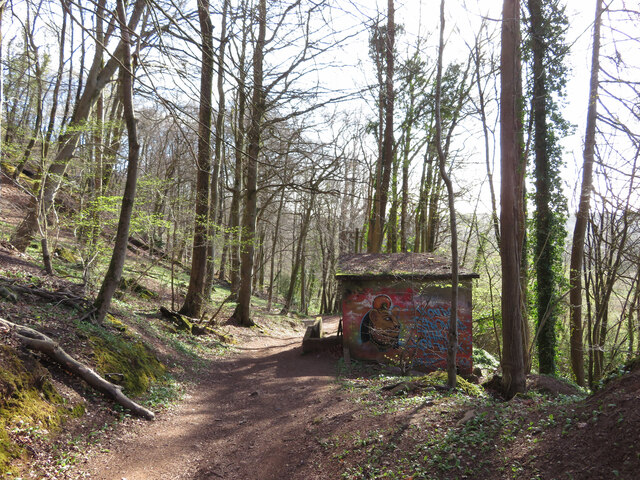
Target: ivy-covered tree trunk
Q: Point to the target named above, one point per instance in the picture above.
(550, 207)
(546, 317)
(377, 218)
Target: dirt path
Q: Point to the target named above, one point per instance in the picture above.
(255, 416)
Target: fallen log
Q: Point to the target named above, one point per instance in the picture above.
(142, 245)
(42, 343)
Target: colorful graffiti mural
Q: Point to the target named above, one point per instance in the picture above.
(382, 322)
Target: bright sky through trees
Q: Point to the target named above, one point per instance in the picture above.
(419, 19)
(347, 69)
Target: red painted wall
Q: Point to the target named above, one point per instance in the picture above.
(381, 320)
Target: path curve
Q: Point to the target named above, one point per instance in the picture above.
(257, 415)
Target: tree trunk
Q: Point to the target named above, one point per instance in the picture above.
(382, 188)
(452, 345)
(39, 108)
(392, 225)
(114, 272)
(579, 230)
(56, 87)
(420, 209)
(406, 163)
(194, 299)
(274, 243)
(258, 109)
(546, 310)
(513, 379)
(304, 227)
(433, 189)
(217, 159)
(303, 281)
(487, 157)
(239, 139)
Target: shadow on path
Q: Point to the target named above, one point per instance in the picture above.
(257, 415)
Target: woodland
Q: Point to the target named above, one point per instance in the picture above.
(209, 162)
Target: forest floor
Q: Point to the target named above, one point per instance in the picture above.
(267, 412)
(255, 414)
(257, 408)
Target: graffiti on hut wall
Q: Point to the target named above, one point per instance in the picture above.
(380, 323)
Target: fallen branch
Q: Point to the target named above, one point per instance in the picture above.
(42, 343)
(232, 296)
(183, 323)
(60, 297)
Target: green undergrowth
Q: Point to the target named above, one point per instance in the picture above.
(479, 447)
(439, 378)
(66, 255)
(629, 366)
(484, 360)
(30, 406)
(196, 348)
(440, 434)
(363, 377)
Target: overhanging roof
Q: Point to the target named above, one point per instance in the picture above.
(424, 266)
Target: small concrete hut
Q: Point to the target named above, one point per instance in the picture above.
(397, 305)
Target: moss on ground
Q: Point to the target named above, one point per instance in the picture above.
(66, 255)
(439, 377)
(116, 324)
(135, 287)
(128, 359)
(28, 401)
(31, 407)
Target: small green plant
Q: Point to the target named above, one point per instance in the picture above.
(163, 394)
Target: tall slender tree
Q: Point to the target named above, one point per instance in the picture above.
(217, 159)
(582, 217)
(547, 22)
(258, 109)
(385, 162)
(452, 344)
(114, 272)
(513, 379)
(194, 299)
